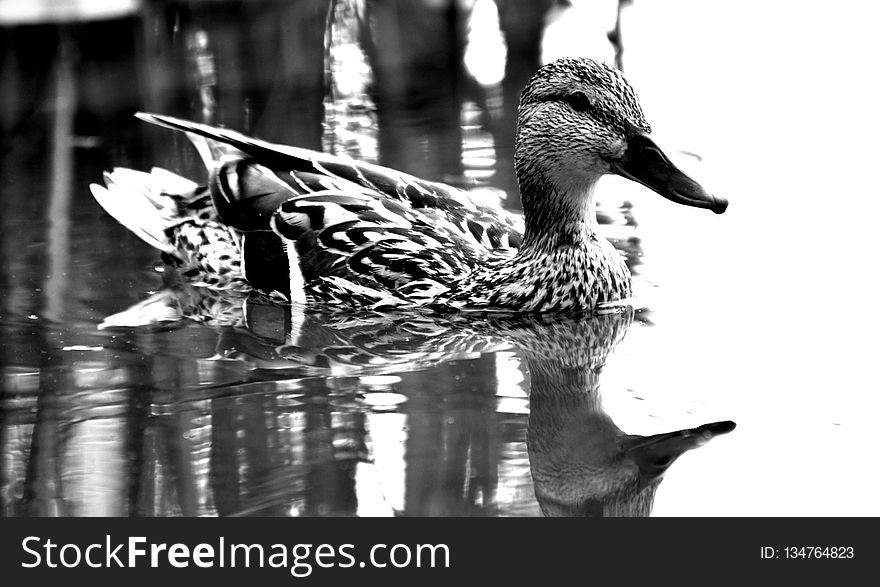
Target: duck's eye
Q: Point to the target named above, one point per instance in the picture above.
(578, 101)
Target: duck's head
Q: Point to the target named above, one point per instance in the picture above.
(580, 119)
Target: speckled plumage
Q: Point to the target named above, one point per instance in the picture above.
(314, 228)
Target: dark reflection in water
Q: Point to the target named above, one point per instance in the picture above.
(197, 405)
(296, 421)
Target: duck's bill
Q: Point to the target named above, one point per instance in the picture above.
(654, 454)
(645, 163)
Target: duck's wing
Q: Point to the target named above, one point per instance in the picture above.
(312, 171)
(360, 230)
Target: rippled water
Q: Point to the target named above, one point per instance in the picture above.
(256, 409)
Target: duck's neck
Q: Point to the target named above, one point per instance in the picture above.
(558, 213)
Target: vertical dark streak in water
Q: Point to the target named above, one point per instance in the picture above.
(356, 434)
(615, 35)
(224, 476)
(348, 433)
(41, 477)
(167, 85)
(25, 77)
(137, 415)
(522, 24)
(257, 450)
(484, 458)
(296, 90)
(329, 482)
(172, 375)
(178, 457)
(146, 504)
(416, 51)
(424, 453)
(317, 451)
(448, 464)
(61, 174)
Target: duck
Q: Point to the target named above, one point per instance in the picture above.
(327, 231)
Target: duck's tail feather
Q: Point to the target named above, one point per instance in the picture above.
(219, 141)
(212, 152)
(144, 202)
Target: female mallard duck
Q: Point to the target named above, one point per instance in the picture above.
(316, 228)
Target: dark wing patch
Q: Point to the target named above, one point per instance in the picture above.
(264, 262)
(246, 194)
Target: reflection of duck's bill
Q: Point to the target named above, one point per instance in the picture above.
(654, 454)
(692, 436)
(645, 163)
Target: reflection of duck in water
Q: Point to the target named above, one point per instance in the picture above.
(267, 335)
(315, 228)
(582, 463)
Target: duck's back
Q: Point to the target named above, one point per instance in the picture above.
(321, 237)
